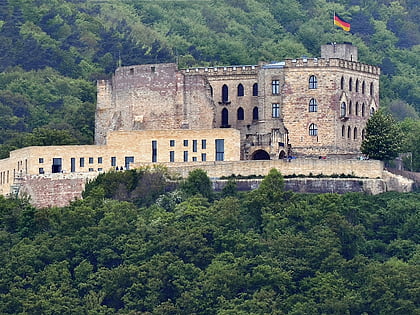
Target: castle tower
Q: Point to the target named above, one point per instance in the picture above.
(345, 51)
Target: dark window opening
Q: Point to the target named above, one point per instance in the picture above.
(171, 156)
(313, 82)
(154, 151)
(57, 165)
(240, 90)
(220, 149)
(225, 94)
(255, 89)
(275, 87)
(128, 161)
(255, 113)
(72, 165)
(313, 106)
(240, 113)
(194, 146)
(260, 155)
(225, 118)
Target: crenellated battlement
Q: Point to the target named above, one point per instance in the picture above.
(226, 70)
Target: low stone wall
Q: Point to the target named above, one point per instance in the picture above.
(358, 168)
(315, 185)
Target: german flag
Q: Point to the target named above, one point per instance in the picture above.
(341, 23)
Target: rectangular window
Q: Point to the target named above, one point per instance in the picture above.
(171, 143)
(91, 160)
(154, 151)
(171, 156)
(185, 143)
(128, 161)
(100, 169)
(194, 159)
(194, 145)
(82, 162)
(203, 144)
(185, 156)
(41, 160)
(275, 87)
(203, 157)
(72, 165)
(220, 149)
(41, 170)
(90, 169)
(275, 113)
(99, 160)
(113, 161)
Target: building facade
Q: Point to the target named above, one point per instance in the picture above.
(306, 106)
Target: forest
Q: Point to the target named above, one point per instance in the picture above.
(53, 52)
(126, 249)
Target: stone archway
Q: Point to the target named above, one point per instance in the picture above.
(282, 155)
(260, 155)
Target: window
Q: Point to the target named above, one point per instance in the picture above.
(240, 89)
(203, 144)
(90, 169)
(72, 165)
(225, 93)
(371, 89)
(313, 106)
(275, 110)
(220, 149)
(185, 156)
(350, 84)
(41, 170)
(350, 108)
(82, 162)
(128, 161)
(203, 157)
(57, 164)
(240, 113)
(363, 87)
(154, 151)
(113, 161)
(41, 160)
(194, 145)
(255, 113)
(211, 91)
(275, 87)
(342, 83)
(355, 133)
(171, 143)
(313, 130)
(363, 134)
(343, 131)
(357, 85)
(313, 82)
(363, 110)
(171, 156)
(225, 118)
(372, 111)
(99, 160)
(194, 159)
(185, 143)
(356, 110)
(255, 89)
(349, 132)
(343, 110)
(91, 160)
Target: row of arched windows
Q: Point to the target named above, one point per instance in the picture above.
(239, 89)
(240, 115)
(351, 133)
(358, 110)
(358, 87)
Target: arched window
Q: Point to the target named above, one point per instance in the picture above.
(357, 85)
(349, 132)
(343, 110)
(356, 111)
(350, 108)
(255, 113)
(363, 134)
(372, 111)
(313, 130)
(225, 93)
(225, 118)
(342, 83)
(313, 82)
(211, 91)
(255, 89)
(350, 84)
(363, 110)
(363, 87)
(240, 89)
(343, 131)
(313, 106)
(240, 113)
(355, 133)
(371, 89)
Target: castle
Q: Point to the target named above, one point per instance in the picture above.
(157, 113)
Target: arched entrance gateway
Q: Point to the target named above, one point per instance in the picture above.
(260, 155)
(282, 155)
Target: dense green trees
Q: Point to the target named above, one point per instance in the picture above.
(261, 252)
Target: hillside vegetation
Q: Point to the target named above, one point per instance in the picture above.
(191, 251)
(53, 51)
